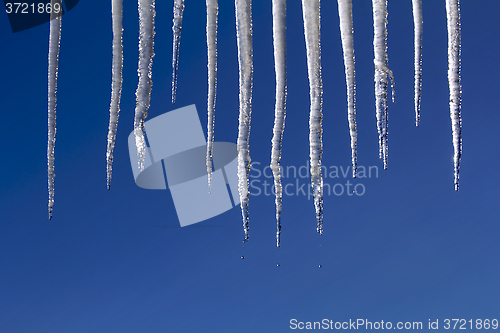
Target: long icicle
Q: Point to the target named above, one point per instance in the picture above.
(212, 13)
(143, 93)
(54, 44)
(279, 40)
(312, 18)
(346, 32)
(116, 85)
(418, 24)
(454, 62)
(176, 30)
(245, 59)
(381, 73)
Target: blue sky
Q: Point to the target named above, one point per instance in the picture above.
(409, 249)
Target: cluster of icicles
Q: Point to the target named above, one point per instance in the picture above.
(312, 27)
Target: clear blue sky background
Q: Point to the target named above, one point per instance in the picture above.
(409, 249)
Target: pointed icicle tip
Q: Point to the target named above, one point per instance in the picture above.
(176, 30)
(382, 76)
(116, 84)
(211, 32)
(312, 33)
(454, 81)
(418, 28)
(279, 45)
(243, 13)
(347, 32)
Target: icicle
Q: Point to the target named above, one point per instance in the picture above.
(454, 50)
(311, 14)
(346, 32)
(143, 93)
(381, 73)
(418, 23)
(212, 12)
(116, 86)
(279, 39)
(176, 29)
(245, 59)
(54, 43)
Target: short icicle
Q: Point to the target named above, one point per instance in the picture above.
(312, 18)
(245, 59)
(279, 40)
(54, 44)
(143, 93)
(176, 30)
(454, 63)
(418, 24)
(212, 13)
(381, 75)
(346, 32)
(116, 85)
